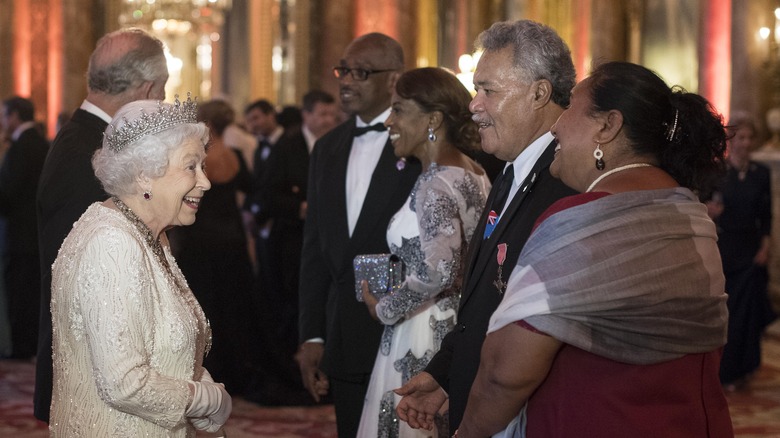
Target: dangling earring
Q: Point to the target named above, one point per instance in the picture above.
(598, 154)
(431, 135)
(148, 195)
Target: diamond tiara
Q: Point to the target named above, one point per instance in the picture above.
(167, 116)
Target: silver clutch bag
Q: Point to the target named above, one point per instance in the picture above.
(383, 272)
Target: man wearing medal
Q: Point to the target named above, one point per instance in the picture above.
(523, 82)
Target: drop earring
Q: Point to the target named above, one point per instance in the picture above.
(431, 135)
(598, 154)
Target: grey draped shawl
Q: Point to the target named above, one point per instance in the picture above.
(634, 277)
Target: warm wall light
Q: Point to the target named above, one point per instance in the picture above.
(467, 63)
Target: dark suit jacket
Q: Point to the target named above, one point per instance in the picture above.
(18, 183)
(455, 366)
(285, 183)
(67, 187)
(328, 308)
(255, 202)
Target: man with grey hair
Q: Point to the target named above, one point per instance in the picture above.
(127, 65)
(523, 82)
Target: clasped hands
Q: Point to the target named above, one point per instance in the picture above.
(210, 406)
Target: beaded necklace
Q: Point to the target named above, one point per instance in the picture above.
(157, 249)
(154, 243)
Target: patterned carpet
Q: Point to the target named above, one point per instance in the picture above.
(247, 421)
(755, 411)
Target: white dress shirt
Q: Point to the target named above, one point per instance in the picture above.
(365, 153)
(524, 163)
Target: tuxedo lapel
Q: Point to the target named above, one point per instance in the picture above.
(379, 190)
(485, 248)
(333, 195)
(476, 239)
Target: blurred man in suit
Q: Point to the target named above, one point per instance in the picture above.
(354, 190)
(19, 176)
(261, 121)
(284, 192)
(126, 65)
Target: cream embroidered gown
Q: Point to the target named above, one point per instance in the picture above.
(126, 338)
(430, 234)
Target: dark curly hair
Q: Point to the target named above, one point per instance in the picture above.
(436, 89)
(682, 130)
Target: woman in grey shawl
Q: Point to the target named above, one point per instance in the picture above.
(613, 322)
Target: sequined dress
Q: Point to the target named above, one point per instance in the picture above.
(430, 234)
(127, 335)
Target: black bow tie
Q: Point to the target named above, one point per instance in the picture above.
(360, 130)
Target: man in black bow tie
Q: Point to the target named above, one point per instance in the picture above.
(354, 189)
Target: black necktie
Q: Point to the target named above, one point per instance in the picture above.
(503, 189)
(360, 130)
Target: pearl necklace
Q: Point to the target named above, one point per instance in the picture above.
(616, 170)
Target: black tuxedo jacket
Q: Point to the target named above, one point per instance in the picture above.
(328, 308)
(455, 366)
(285, 182)
(67, 187)
(19, 176)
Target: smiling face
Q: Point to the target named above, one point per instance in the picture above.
(575, 131)
(177, 194)
(503, 105)
(408, 126)
(370, 97)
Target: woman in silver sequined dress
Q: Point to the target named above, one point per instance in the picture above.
(431, 122)
(129, 336)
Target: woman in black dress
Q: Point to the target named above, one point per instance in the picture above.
(742, 211)
(214, 257)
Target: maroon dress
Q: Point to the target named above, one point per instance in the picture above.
(586, 395)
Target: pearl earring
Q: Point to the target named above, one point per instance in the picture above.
(598, 154)
(431, 135)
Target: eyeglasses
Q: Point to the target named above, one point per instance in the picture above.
(358, 74)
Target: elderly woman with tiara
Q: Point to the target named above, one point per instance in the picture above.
(129, 336)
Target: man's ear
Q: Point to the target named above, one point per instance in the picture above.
(145, 90)
(392, 78)
(542, 92)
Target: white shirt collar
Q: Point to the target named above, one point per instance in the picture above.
(525, 162)
(309, 137)
(528, 158)
(94, 109)
(274, 136)
(21, 128)
(378, 119)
